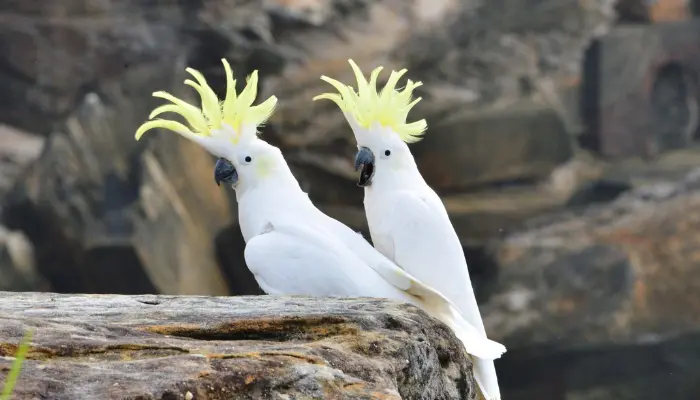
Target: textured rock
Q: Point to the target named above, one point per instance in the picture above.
(659, 76)
(261, 347)
(537, 142)
(597, 297)
(654, 11)
(476, 62)
(17, 150)
(18, 271)
(105, 218)
(17, 264)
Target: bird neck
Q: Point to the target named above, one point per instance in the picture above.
(404, 176)
(273, 197)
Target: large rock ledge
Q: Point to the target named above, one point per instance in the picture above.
(256, 347)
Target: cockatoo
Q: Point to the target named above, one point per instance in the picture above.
(407, 220)
(292, 247)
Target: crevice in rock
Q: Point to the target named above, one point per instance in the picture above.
(67, 265)
(229, 247)
(57, 255)
(589, 97)
(490, 186)
(117, 269)
(694, 7)
(674, 107)
(278, 329)
(44, 353)
(255, 354)
(597, 192)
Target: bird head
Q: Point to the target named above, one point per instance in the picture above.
(378, 121)
(227, 129)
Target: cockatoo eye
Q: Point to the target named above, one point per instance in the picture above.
(248, 159)
(387, 153)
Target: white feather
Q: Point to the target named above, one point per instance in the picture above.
(412, 228)
(302, 251)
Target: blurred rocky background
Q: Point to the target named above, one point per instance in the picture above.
(562, 138)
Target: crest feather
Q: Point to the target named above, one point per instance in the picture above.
(388, 107)
(236, 110)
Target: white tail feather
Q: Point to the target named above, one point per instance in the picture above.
(481, 349)
(437, 305)
(484, 369)
(474, 342)
(485, 376)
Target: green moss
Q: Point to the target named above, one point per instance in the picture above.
(12, 377)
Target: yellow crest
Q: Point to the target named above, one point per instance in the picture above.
(388, 108)
(236, 110)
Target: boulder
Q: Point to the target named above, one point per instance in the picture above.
(600, 302)
(524, 142)
(259, 347)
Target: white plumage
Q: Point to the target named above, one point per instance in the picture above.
(291, 246)
(407, 219)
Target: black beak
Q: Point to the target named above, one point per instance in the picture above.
(365, 159)
(225, 172)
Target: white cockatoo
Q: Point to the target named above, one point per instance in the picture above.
(407, 220)
(292, 247)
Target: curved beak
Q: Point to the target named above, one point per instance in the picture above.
(365, 159)
(224, 171)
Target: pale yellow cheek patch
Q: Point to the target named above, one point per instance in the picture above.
(263, 166)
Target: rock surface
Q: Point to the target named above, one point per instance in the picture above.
(18, 149)
(601, 302)
(261, 347)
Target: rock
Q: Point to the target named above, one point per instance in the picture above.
(481, 216)
(108, 218)
(17, 264)
(671, 10)
(260, 347)
(659, 76)
(597, 297)
(17, 150)
(636, 11)
(632, 11)
(532, 132)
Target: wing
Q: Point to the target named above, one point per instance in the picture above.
(421, 239)
(300, 261)
(424, 243)
(292, 259)
(386, 268)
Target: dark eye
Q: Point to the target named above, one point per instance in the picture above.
(248, 159)
(387, 153)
